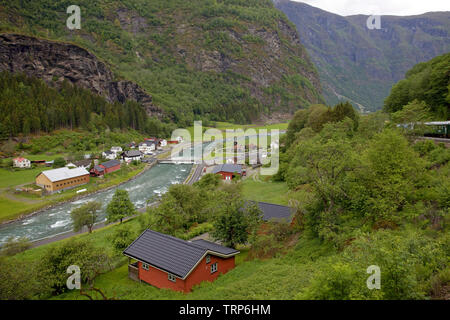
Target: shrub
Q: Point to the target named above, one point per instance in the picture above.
(13, 246)
(55, 261)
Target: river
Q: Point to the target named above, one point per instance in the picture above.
(57, 220)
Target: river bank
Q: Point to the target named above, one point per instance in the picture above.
(74, 197)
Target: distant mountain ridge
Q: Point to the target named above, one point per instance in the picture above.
(359, 64)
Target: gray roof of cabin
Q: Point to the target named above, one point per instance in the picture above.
(111, 163)
(228, 167)
(173, 255)
(275, 211)
(214, 247)
(132, 153)
(98, 168)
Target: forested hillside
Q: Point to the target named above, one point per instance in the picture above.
(359, 64)
(426, 84)
(28, 106)
(230, 60)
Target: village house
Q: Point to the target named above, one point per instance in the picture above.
(116, 150)
(62, 179)
(111, 166)
(105, 168)
(228, 171)
(109, 155)
(97, 171)
(86, 164)
(147, 147)
(21, 163)
(132, 155)
(167, 262)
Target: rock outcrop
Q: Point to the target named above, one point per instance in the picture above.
(55, 62)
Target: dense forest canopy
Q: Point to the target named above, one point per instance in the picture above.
(427, 83)
(28, 106)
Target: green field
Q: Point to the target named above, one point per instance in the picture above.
(265, 191)
(9, 209)
(10, 178)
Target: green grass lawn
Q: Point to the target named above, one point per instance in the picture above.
(265, 191)
(10, 178)
(10, 208)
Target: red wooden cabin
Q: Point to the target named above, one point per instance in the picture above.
(171, 263)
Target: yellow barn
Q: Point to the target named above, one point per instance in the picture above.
(62, 179)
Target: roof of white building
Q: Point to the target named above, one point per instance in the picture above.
(64, 173)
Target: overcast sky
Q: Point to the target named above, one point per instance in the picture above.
(380, 7)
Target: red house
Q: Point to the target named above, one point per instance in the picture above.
(106, 167)
(111, 166)
(228, 171)
(167, 262)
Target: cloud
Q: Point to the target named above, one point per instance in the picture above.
(379, 7)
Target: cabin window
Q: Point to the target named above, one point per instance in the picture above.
(208, 258)
(145, 266)
(172, 278)
(214, 267)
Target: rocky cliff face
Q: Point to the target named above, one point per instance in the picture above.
(55, 62)
(359, 64)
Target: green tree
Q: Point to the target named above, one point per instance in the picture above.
(120, 206)
(59, 163)
(22, 283)
(86, 215)
(209, 181)
(415, 111)
(236, 222)
(55, 261)
(122, 237)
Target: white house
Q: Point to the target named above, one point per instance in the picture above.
(132, 155)
(147, 147)
(21, 163)
(109, 155)
(116, 150)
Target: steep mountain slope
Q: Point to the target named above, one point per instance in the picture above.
(427, 82)
(201, 59)
(359, 64)
(55, 62)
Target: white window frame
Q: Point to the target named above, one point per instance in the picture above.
(214, 268)
(145, 266)
(208, 259)
(171, 277)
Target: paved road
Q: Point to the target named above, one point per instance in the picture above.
(196, 175)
